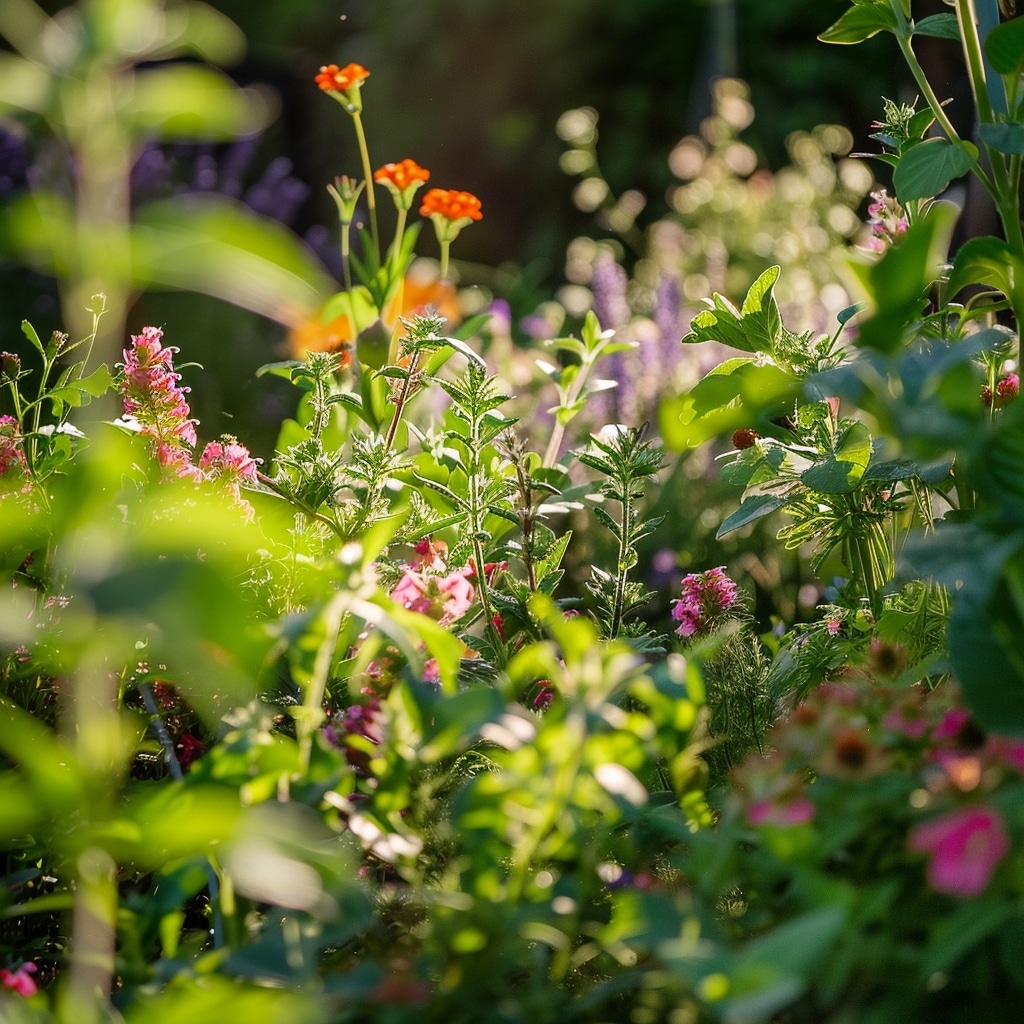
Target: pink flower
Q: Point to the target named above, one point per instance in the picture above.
(706, 596)
(458, 593)
(411, 592)
(833, 626)
(10, 444)
(20, 980)
(964, 845)
(151, 394)
(444, 598)
(798, 811)
(953, 721)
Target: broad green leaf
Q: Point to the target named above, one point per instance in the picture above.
(860, 22)
(988, 261)
(751, 509)
(842, 471)
(899, 281)
(189, 101)
(927, 168)
(218, 247)
(984, 648)
(758, 393)
(1006, 136)
(1004, 47)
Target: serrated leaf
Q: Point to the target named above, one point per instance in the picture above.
(841, 472)
(925, 170)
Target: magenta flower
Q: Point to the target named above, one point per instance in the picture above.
(10, 444)
(798, 811)
(706, 596)
(964, 847)
(20, 980)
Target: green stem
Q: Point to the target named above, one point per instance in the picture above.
(446, 246)
(371, 202)
(937, 109)
(403, 398)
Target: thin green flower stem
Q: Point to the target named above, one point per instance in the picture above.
(403, 398)
(967, 18)
(937, 109)
(446, 246)
(1005, 194)
(371, 202)
(558, 430)
(396, 245)
(622, 562)
(346, 249)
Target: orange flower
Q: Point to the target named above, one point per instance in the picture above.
(312, 335)
(405, 174)
(423, 289)
(335, 79)
(451, 204)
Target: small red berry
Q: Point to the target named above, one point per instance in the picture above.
(744, 438)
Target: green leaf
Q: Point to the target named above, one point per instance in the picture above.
(860, 22)
(927, 168)
(941, 26)
(1006, 136)
(753, 328)
(30, 332)
(966, 927)
(841, 472)
(899, 281)
(1004, 47)
(189, 101)
(988, 261)
(750, 510)
(213, 245)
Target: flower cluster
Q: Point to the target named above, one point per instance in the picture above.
(450, 210)
(11, 453)
(706, 597)
(853, 735)
(887, 221)
(154, 399)
(445, 598)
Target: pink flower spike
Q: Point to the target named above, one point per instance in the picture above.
(20, 980)
(964, 847)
